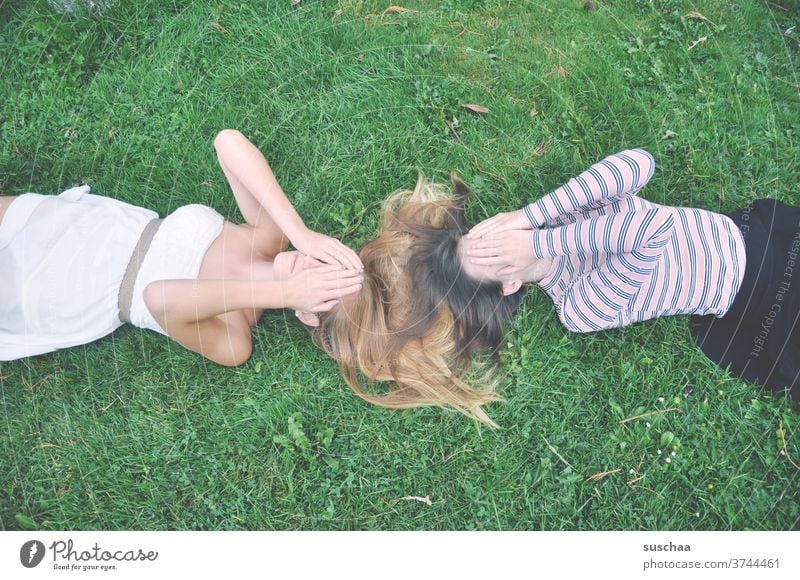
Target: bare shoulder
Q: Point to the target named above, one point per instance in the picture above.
(239, 250)
(5, 201)
(228, 254)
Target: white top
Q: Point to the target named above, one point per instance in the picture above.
(176, 253)
(62, 259)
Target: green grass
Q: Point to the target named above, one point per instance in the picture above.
(133, 432)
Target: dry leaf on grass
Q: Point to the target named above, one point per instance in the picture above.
(219, 27)
(480, 109)
(698, 16)
(396, 10)
(558, 70)
(426, 500)
(601, 475)
(541, 148)
(700, 40)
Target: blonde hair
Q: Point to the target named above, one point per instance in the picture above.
(382, 332)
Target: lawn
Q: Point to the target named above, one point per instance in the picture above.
(349, 100)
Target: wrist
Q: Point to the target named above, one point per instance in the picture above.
(273, 294)
(530, 211)
(294, 228)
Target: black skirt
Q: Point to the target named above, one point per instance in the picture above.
(758, 339)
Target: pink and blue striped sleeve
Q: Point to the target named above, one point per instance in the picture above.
(632, 243)
(615, 177)
(645, 231)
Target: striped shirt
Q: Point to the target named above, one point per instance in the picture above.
(619, 259)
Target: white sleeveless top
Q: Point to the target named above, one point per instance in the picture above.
(62, 259)
(176, 253)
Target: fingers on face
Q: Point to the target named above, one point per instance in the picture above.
(326, 259)
(484, 250)
(352, 260)
(325, 306)
(343, 291)
(332, 295)
(346, 284)
(483, 227)
(355, 260)
(480, 230)
(336, 254)
(497, 224)
(326, 269)
(335, 286)
(340, 275)
(345, 256)
(490, 261)
(474, 233)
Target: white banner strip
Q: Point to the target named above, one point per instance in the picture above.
(407, 555)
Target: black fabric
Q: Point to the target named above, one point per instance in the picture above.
(758, 339)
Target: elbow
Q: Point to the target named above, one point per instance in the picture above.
(154, 299)
(566, 320)
(576, 322)
(237, 356)
(243, 356)
(576, 329)
(226, 138)
(648, 165)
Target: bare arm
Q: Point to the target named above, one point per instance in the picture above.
(264, 204)
(188, 310)
(255, 187)
(194, 300)
(5, 201)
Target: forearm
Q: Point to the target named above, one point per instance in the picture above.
(244, 163)
(194, 300)
(643, 231)
(614, 177)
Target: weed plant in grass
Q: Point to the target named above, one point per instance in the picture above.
(349, 101)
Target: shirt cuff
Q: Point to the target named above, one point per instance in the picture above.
(532, 213)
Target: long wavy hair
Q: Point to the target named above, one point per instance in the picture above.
(419, 319)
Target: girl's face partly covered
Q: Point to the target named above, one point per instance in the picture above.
(477, 272)
(480, 273)
(512, 275)
(287, 264)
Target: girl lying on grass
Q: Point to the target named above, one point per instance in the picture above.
(436, 291)
(77, 266)
(608, 258)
